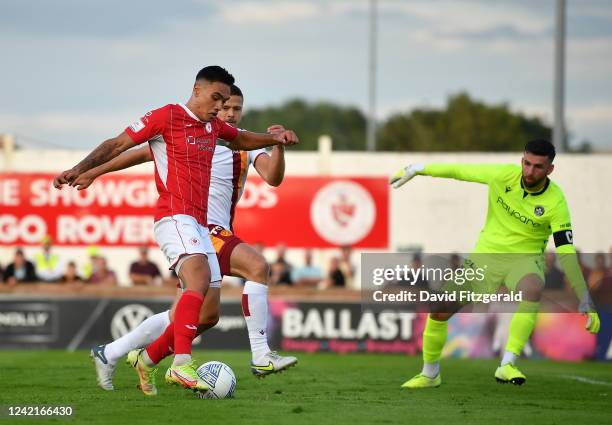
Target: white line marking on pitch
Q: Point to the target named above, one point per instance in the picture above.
(587, 380)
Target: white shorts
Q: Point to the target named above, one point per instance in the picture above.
(180, 235)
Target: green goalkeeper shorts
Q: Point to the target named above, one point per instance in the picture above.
(490, 271)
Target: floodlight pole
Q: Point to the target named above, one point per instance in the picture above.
(371, 123)
(559, 136)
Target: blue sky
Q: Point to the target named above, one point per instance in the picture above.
(76, 72)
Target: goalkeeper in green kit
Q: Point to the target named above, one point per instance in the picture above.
(524, 208)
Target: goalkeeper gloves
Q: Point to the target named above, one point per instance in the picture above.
(587, 308)
(402, 176)
(592, 324)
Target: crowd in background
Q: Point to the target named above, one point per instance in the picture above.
(48, 267)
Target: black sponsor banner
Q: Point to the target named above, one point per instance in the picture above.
(81, 323)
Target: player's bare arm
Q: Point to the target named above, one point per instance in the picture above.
(271, 167)
(106, 151)
(125, 160)
(248, 141)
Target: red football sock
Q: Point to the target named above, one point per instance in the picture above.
(163, 346)
(186, 318)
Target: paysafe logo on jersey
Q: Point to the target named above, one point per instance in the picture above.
(516, 214)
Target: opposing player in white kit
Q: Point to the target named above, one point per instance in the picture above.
(236, 258)
(182, 140)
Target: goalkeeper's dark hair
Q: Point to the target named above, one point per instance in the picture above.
(541, 147)
(235, 91)
(215, 74)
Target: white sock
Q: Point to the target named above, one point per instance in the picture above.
(255, 310)
(431, 370)
(181, 359)
(508, 358)
(147, 360)
(141, 336)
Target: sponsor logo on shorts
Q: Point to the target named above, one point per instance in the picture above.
(194, 241)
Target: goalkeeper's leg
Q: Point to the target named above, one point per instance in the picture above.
(434, 338)
(521, 327)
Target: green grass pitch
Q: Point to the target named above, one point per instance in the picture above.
(322, 389)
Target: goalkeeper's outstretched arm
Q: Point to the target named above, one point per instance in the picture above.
(479, 173)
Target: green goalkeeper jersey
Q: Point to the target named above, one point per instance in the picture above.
(517, 221)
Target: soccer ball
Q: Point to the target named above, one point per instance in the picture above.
(220, 379)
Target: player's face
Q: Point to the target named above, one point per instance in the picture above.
(535, 169)
(231, 112)
(209, 98)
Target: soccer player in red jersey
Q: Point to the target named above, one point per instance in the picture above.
(182, 139)
(236, 258)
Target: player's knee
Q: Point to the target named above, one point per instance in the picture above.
(259, 270)
(440, 317)
(195, 273)
(531, 287)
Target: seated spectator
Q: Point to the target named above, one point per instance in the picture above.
(280, 270)
(144, 271)
(71, 275)
(553, 276)
(455, 262)
(307, 275)
(49, 266)
(600, 272)
(346, 265)
(335, 277)
(92, 252)
(20, 270)
(101, 274)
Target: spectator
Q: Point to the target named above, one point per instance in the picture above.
(346, 266)
(49, 266)
(599, 273)
(553, 277)
(20, 270)
(307, 275)
(586, 270)
(101, 274)
(92, 253)
(455, 262)
(144, 271)
(335, 277)
(71, 275)
(281, 269)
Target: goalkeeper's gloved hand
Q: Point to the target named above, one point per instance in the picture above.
(592, 324)
(587, 308)
(405, 174)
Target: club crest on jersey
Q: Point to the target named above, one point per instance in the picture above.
(539, 210)
(208, 127)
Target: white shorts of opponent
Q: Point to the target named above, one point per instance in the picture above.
(180, 236)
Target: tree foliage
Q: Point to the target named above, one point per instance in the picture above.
(463, 125)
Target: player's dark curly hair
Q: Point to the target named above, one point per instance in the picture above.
(215, 73)
(541, 147)
(235, 91)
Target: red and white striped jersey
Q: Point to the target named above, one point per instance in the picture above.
(229, 172)
(182, 148)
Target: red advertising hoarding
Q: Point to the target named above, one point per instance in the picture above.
(117, 210)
